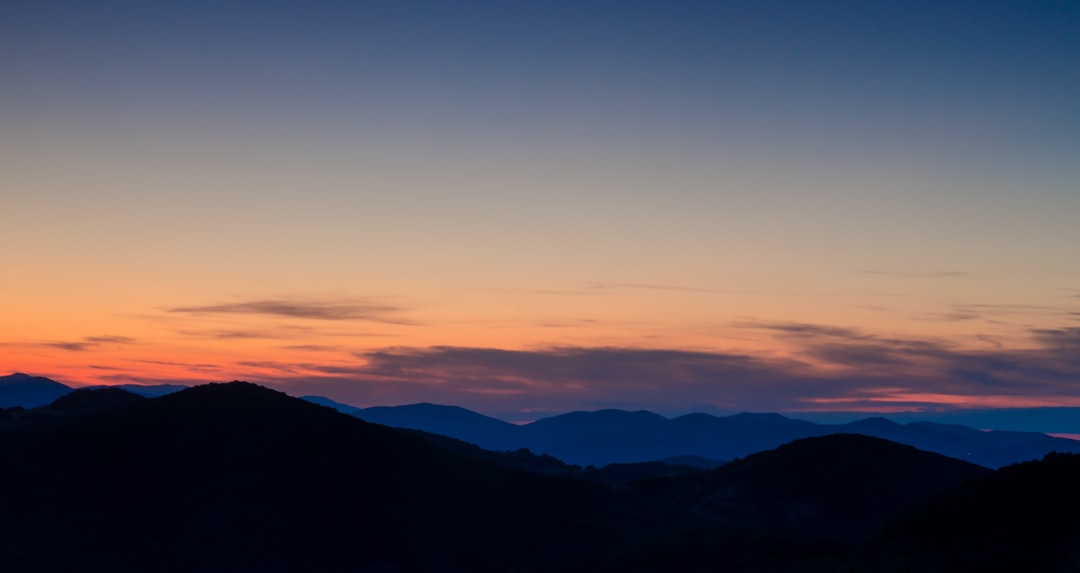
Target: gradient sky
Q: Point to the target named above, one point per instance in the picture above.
(528, 207)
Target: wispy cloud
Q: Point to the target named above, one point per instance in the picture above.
(830, 366)
(196, 366)
(312, 347)
(330, 310)
(272, 365)
(601, 288)
(827, 366)
(148, 380)
(954, 316)
(1061, 338)
(109, 339)
(803, 330)
(1003, 309)
(918, 274)
(1050, 367)
(852, 348)
(994, 312)
(565, 292)
(564, 377)
(231, 334)
(86, 344)
(71, 346)
(647, 286)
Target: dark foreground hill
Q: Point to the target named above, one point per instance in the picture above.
(1022, 517)
(76, 404)
(842, 486)
(238, 478)
(792, 509)
(618, 475)
(235, 477)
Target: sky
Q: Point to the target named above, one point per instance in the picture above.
(534, 207)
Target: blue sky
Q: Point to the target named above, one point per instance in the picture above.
(330, 184)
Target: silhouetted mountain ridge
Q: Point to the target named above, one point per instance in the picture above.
(26, 391)
(95, 400)
(842, 486)
(146, 390)
(1022, 517)
(235, 477)
(73, 405)
(451, 421)
(616, 436)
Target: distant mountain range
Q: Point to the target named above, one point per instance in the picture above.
(238, 478)
(1046, 419)
(616, 436)
(25, 391)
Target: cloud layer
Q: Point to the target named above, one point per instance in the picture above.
(348, 309)
(831, 368)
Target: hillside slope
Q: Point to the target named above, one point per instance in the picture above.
(1020, 518)
(841, 486)
(235, 477)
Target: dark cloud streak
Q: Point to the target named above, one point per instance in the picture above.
(88, 343)
(832, 366)
(110, 339)
(72, 346)
(341, 310)
(312, 347)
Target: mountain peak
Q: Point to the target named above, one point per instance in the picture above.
(86, 399)
(606, 415)
(875, 422)
(223, 398)
(235, 390)
(20, 389)
(761, 417)
(842, 486)
(22, 377)
(454, 421)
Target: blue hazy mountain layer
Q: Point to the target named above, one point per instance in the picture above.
(484, 431)
(26, 391)
(617, 436)
(23, 390)
(1061, 419)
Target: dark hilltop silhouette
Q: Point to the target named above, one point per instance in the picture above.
(1020, 518)
(799, 507)
(235, 477)
(842, 486)
(605, 437)
(239, 478)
